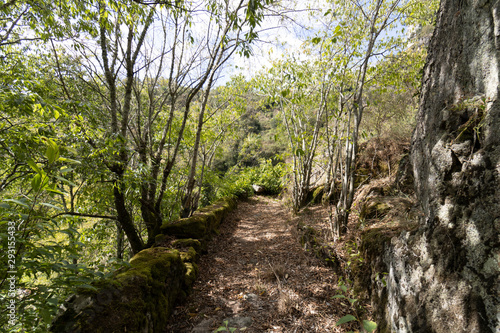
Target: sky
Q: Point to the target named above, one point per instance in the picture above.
(276, 38)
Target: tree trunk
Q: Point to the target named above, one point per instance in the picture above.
(125, 219)
(188, 202)
(119, 241)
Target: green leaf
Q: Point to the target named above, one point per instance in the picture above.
(369, 325)
(52, 152)
(65, 169)
(316, 40)
(69, 160)
(47, 317)
(36, 182)
(338, 296)
(52, 301)
(64, 180)
(33, 165)
(299, 152)
(55, 191)
(87, 286)
(220, 329)
(19, 202)
(50, 205)
(345, 319)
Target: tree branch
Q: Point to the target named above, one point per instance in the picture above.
(86, 215)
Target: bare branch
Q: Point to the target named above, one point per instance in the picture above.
(86, 215)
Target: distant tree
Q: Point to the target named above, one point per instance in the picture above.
(294, 89)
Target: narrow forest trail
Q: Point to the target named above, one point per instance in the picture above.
(257, 275)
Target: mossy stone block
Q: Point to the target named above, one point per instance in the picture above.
(318, 194)
(191, 274)
(374, 208)
(187, 243)
(138, 299)
(190, 255)
(191, 227)
(203, 222)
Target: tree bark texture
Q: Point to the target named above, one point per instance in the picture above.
(444, 277)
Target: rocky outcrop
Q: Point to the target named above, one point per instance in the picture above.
(141, 297)
(444, 275)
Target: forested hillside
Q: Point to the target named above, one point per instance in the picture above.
(118, 118)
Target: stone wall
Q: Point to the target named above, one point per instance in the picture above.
(444, 275)
(140, 298)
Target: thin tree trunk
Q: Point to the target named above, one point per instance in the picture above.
(125, 219)
(119, 241)
(188, 202)
(347, 194)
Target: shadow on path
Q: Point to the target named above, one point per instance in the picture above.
(257, 275)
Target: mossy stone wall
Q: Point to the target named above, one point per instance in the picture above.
(141, 297)
(203, 223)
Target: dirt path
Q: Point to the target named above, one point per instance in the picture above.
(257, 275)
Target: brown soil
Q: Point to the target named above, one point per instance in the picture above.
(257, 268)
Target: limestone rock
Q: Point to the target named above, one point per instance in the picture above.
(258, 189)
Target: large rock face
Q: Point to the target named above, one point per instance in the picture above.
(444, 277)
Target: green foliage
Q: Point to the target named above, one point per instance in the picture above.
(235, 183)
(250, 150)
(46, 260)
(44, 175)
(344, 293)
(225, 328)
(269, 176)
(238, 181)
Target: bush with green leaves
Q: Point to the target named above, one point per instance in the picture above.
(268, 175)
(238, 181)
(45, 260)
(345, 293)
(226, 328)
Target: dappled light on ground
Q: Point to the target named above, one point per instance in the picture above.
(258, 277)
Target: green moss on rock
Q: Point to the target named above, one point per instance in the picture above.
(191, 274)
(361, 176)
(141, 297)
(318, 194)
(190, 255)
(191, 227)
(138, 299)
(203, 222)
(187, 243)
(374, 208)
